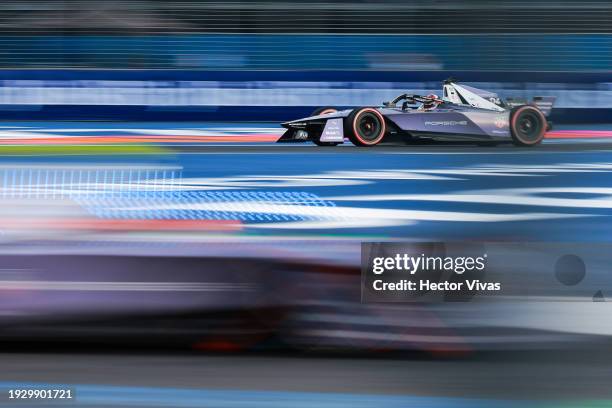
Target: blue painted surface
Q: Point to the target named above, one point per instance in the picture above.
(118, 396)
(590, 224)
(303, 177)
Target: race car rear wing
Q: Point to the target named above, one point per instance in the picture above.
(544, 103)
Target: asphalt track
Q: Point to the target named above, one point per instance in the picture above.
(559, 191)
(118, 380)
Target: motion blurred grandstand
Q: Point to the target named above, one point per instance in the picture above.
(542, 35)
(214, 46)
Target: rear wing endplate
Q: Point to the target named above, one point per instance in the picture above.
(544, 103)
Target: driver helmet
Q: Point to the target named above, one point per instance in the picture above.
(431, 102)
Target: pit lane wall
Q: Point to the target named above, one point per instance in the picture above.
(274, 95)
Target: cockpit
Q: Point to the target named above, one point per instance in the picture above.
(453, 94)
(417, 102)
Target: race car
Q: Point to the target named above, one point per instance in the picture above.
(464, 113)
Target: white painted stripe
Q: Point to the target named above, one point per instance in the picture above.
(526, 197)
(348, 217)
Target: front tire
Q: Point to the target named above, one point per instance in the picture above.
(324, 111)
(527, 125)
(365, 127)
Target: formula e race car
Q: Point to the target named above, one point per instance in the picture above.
(464, 113)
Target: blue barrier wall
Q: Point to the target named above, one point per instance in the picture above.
(269, 95)
(281, 76)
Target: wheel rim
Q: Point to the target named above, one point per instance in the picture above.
(529, 126)
(368, 126)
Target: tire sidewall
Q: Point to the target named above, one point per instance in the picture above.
(516, 112)
(351, 127)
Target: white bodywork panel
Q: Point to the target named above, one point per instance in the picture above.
(333, 131)
(450, 95)
(452, 92)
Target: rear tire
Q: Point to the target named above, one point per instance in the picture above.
(527, 125)
(365, 127)
(324, 111)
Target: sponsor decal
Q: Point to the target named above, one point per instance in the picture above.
(301, 135)
(446, 123)
(334, 131)
(501, 122)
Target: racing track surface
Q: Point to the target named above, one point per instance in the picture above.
(186, 380)
(555, 191)
(303, 193)
(559, 191)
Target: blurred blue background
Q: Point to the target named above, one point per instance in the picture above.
(315, 51)
(273, 60)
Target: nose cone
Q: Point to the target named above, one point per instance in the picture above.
(295, 124)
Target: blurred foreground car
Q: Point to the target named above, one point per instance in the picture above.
(464, 113)
(237, 304)
(92, 262)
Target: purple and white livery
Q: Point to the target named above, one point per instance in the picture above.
(464, 113)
